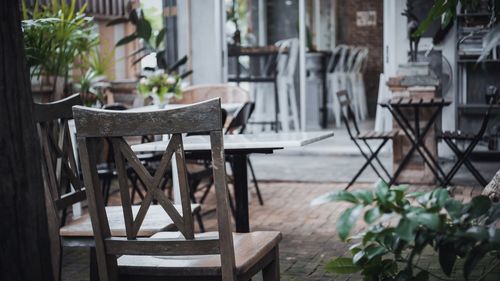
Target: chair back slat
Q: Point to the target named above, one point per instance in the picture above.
(93, 122)
(59, 163)
(158, 246)
(240, 120)
(347, 114)
(204, 117)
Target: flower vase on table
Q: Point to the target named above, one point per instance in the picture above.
(161, 87)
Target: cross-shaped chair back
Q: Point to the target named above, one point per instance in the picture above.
(60, 171)
(92, 124)
(347, 114)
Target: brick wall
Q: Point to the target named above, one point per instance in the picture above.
(369, 36)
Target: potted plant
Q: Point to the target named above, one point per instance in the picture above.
(401, 226)
(55, 37)
(160, 86)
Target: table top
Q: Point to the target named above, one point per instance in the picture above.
(229, 107)
(416, 102)
(242, 141)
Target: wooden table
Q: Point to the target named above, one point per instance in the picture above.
(239, 147)
(416, 134)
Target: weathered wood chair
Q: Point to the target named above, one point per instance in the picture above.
(63, 185)
(182, 256)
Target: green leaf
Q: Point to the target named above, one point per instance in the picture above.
(372, 215)
(347, 221)
(117, 21)
(373, 251)
(126, 39)
(140, 58)
(472, 259)
(160, 36)
(366, 196)
(493, 214)
(454, 208)
(342, 266)
(479, 206)
(335, 197)
(381, 191)
(356, 259)
(422, 276)
(447, 257)
(406, 229)
(429, 220)
(144, 29)
(440, 197)
(401, 187)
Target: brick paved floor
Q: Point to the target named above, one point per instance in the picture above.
(309, 236)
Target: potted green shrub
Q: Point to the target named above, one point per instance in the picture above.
(402, 225)
(56, 36)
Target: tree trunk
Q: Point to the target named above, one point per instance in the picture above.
(24, 240)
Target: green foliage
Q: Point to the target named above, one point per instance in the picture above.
(152, 41)
(90, 86)
(55, 36)
(401, 225)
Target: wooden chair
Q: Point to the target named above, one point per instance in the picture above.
(183, 256)
(63, 185)
(349, 119)
(227, 93)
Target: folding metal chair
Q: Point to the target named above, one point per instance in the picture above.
(451, 139)
(347, 116)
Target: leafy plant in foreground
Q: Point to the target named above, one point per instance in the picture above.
(401, 226)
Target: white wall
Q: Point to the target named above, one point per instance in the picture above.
(201, 37)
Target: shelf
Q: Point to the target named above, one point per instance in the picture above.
(477, 109)
(475, 61)
(474, 15)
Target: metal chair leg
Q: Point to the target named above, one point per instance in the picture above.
(254, 179)
(368, 162)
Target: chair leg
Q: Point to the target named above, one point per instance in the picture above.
(199, 219)
(254, 179)
(272, 271)
(463, 160)
(368, 162)
(378, 160)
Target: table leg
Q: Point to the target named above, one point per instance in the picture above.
(241, 192)
(417, 143)
(94, 272)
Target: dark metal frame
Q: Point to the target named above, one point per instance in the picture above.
(463, 156)
(345, 105)
(416, 135)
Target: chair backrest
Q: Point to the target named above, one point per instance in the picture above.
(92, 124)
(59, 164)
(239, 121)
(347, 114)
(227, 93)
(287, 57)
(361, 60)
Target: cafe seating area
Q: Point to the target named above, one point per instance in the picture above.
(249, 140)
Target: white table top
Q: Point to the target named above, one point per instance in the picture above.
(243, 141)
(229, 107)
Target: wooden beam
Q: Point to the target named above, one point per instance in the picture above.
(24, 238)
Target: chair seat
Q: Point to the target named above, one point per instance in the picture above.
(456, 135)
(156, 220)
(249, 248)
(372, 135)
